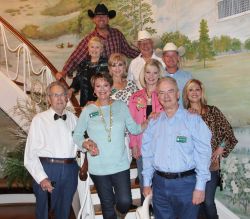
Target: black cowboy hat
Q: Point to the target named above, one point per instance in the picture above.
(101, 9)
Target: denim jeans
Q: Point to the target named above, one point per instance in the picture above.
(65, 177)
(172, 198)
(208, 207)
(114, 191)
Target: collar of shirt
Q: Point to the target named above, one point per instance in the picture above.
(177, 115)
(99, 35)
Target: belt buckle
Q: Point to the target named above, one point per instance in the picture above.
(52, 160)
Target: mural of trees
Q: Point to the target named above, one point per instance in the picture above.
(247, 44)
(225, 44)
(139, 14)
(205, 50)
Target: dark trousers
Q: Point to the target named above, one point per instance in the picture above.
(172, 198)
(208, 207)
(114, 191)
(65, 176)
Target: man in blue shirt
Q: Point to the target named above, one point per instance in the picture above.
(176, 154)
(171, 57)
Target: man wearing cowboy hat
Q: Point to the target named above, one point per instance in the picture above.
(113, 40)
(146, 46)
(171, 57)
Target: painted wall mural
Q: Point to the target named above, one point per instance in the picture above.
(56, 27)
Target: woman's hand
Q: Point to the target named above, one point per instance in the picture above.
(135, 152)
(70, 92)
(91, 147)
(89, 102)
(154, 115)
(144, 125)
(193, 111)
(217, 153)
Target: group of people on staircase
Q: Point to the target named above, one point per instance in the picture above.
(157, 111)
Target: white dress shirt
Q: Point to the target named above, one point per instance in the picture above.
(136, 67)
(49, 138)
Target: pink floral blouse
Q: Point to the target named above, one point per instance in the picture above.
(137, 106)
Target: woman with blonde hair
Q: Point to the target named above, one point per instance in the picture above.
(223, 140)
(142, 105)
(94, 63)
(122, 88)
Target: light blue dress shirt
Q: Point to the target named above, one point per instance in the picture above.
(177, 144)
(113, 155)
(181, 77)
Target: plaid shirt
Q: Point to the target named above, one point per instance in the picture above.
(114, 43)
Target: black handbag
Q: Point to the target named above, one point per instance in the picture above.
(84, 169)
(220, 180)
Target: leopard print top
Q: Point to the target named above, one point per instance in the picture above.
(221, 129)
(125, 93)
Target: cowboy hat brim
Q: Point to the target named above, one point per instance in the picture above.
(111, 14)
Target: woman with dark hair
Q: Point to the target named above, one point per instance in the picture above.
(223, 140)
(105, 121)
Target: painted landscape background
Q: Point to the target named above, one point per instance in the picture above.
(57, 26)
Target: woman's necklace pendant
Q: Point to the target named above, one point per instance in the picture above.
(107, 129)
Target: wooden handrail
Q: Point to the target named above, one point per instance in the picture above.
(41, 57)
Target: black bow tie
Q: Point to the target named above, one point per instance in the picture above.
(63, 117)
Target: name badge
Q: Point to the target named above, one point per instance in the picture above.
(181, 139)
(91, 115)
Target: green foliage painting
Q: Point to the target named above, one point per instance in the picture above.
(204, 47)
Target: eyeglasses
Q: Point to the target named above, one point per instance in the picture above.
(55, 95)
(169, 92)
(117, 65)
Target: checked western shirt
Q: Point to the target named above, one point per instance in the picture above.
(114, 43)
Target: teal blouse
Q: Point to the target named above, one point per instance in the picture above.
(113, 155)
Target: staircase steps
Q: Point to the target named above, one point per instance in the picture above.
(98, 209)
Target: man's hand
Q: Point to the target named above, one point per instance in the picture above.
(198, 197)
(60, 75)
(147, 191)
(46, 185)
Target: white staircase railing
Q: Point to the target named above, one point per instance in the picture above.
(23, 55)
(24, 64)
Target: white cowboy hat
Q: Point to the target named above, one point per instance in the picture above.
(172, 47)
(143, 35)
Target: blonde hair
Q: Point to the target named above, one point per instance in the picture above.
(186, 102)
(118, 57)
(150, 62)
(95, 39)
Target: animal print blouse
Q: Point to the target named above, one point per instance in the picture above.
(222, 132)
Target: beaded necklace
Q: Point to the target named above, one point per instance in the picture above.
(107, 129)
